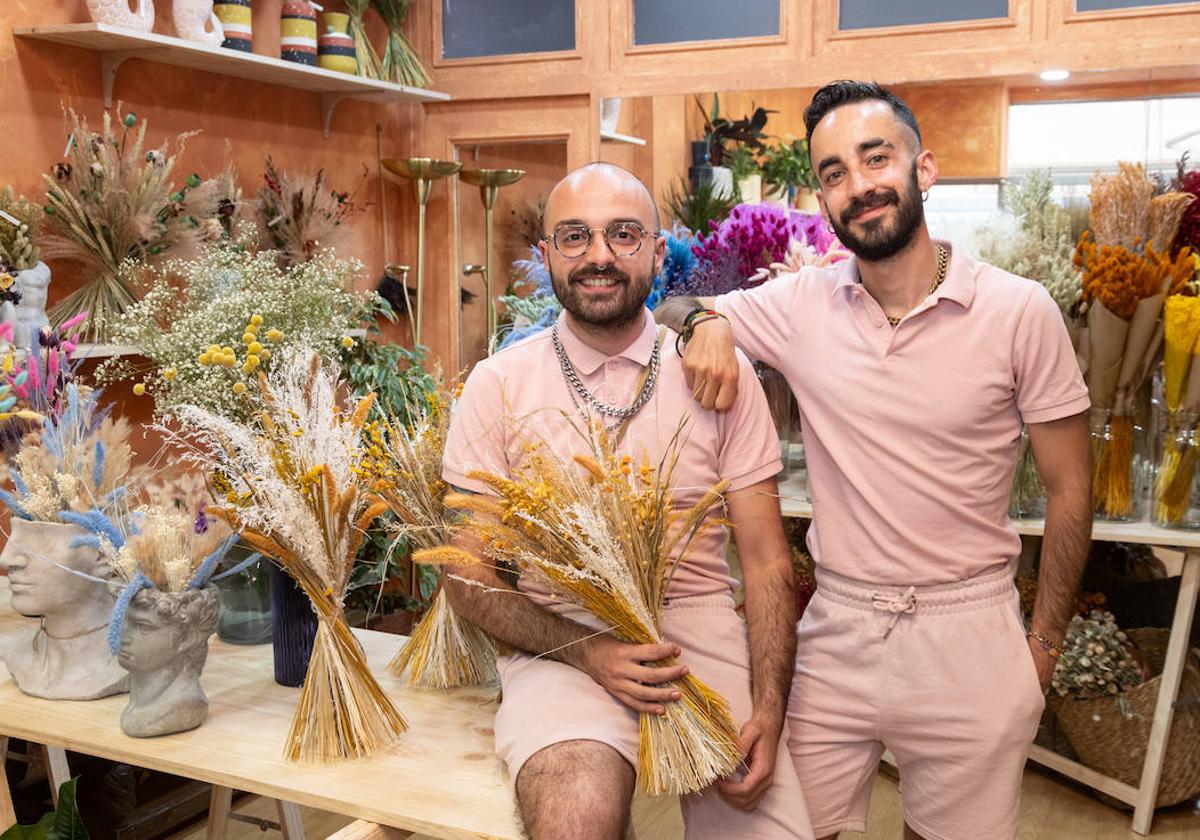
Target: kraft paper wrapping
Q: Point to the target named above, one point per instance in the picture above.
(1106, 344)
(1141, 344)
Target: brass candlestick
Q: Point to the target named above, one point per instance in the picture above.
(489, 182)
(422, 172)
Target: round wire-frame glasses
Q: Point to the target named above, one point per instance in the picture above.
(624, 239)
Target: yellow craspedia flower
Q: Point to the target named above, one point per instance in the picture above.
(274, 335)
(247, 337)
(239, 388)
(228, 351)
(347, 342)
(169, 374)
(139, 389)
(205, 359)
(264, 354)
(254, 349)
(247, 368)
(214, 349)
(256, 320)
(252, 360)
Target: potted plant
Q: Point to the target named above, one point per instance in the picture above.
(721, 137)
(747, 176)
(787, 170)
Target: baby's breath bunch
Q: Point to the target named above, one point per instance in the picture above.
(207, 327)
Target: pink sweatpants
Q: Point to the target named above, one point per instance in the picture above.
(545, 702)
(942, 676)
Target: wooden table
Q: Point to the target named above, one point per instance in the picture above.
(1143, 797)
(443, 779)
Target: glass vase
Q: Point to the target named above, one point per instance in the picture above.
(1028, 497)
(1176, 499)
(294, 627)
(245, 597)
(1121, 466)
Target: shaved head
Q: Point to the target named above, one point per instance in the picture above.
(598, 287)
(592, 178)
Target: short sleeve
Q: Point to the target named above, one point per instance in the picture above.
(750, 450)
(763, 317)
(1049, 385)
(476, 439)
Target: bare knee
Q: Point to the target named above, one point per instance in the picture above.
(575, 789)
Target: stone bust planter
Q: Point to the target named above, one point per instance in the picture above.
(67, 656)
(164, 645)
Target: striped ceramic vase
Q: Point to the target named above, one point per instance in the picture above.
(335, 47)
(298, 32)
(237, 20)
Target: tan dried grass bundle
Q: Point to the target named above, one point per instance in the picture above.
(606, 534)
(404, 463)
(1120, 206)
(1166, 211)
(293, 487)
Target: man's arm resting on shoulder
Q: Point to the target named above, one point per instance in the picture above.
(1063, 453)
(709, 365)
(508, 615)
(771, 624)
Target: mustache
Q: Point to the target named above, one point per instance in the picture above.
(879, 198)
(592, 270)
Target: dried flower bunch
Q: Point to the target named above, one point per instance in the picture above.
(1121, 279)
(113, 200)
(221, 298)
(299, 215)
(1096, 660)
(291, 483)
(400, 63)
(606, 534)
(20, 225)
(404, 464)
(78, 461)
(172, 550)
(1041, 247)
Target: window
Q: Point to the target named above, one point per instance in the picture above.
(672, 21)
(478, 28)
(871, 14)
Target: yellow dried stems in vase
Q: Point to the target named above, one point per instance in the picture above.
(292, 486)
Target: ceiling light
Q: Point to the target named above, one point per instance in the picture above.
(1054, 75)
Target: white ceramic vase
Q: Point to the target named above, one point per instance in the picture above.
(195, 21)
(119, 13)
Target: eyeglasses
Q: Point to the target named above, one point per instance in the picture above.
(624, 239)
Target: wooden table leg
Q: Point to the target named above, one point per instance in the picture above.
(8, 816)
(57, 770)
(291, 824)
(1168, 691)
(365, 830)
(220, 802)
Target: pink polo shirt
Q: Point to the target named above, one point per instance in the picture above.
(520, 394)
(911, 434)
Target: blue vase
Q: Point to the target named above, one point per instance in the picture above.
(293, 629)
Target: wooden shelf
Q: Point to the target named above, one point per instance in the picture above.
(117, 45)
(794, 502)
(613, 137)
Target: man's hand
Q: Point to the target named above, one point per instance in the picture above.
(710, 365)
(760, 743)
(622, 670)
(1044, 662)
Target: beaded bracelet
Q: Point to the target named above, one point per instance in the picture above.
(694, 319)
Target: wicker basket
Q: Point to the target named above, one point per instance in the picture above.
(1110, 734)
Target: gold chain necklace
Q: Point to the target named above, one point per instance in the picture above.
(939, 277)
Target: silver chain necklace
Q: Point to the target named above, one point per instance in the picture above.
(569, 373)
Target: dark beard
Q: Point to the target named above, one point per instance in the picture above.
(623, 312)
(880, 243)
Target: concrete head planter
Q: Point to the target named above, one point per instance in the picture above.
(66, 656)
(164, 645)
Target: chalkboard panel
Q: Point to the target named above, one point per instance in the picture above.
(871, 14)
(476, 28)
(672, 21)
(1109, 5)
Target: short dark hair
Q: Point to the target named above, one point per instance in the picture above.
(846, 92)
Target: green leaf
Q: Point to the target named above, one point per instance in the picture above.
(27, 832)
(67, 823)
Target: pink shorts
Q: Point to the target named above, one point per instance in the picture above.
(950, 689)
(545, 702)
